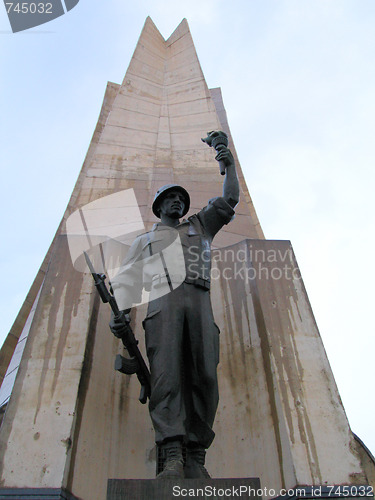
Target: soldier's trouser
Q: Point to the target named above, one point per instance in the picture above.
(182, 342)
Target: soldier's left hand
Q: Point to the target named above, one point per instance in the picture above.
(119, 326)
(225, 155)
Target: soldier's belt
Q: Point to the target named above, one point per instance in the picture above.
(200, 282)
(161, 280)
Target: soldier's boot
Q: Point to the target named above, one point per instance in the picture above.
(174, 463)
(195, 460)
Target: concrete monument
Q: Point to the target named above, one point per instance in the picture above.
(71, 422)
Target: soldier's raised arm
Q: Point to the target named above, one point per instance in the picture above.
(231, 188)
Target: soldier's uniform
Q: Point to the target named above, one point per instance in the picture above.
(182, 339)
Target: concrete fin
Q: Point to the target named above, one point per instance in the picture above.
(149, 54)
(181, 30)
(150, 26)
(245, 199)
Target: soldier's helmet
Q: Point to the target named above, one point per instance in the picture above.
(163, 191)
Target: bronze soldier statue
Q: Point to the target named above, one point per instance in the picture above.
(182, 339)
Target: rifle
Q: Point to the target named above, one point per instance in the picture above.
(136, 363)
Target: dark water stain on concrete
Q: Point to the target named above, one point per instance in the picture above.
(283, 328)
(63, 288)
(266, 355)
(277, 329)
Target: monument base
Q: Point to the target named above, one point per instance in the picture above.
(36, 494)
(154, 489)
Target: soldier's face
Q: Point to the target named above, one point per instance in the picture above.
(172, 205)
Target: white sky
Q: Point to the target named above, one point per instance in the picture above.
(298, 82)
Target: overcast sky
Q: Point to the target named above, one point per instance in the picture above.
(298, 82)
